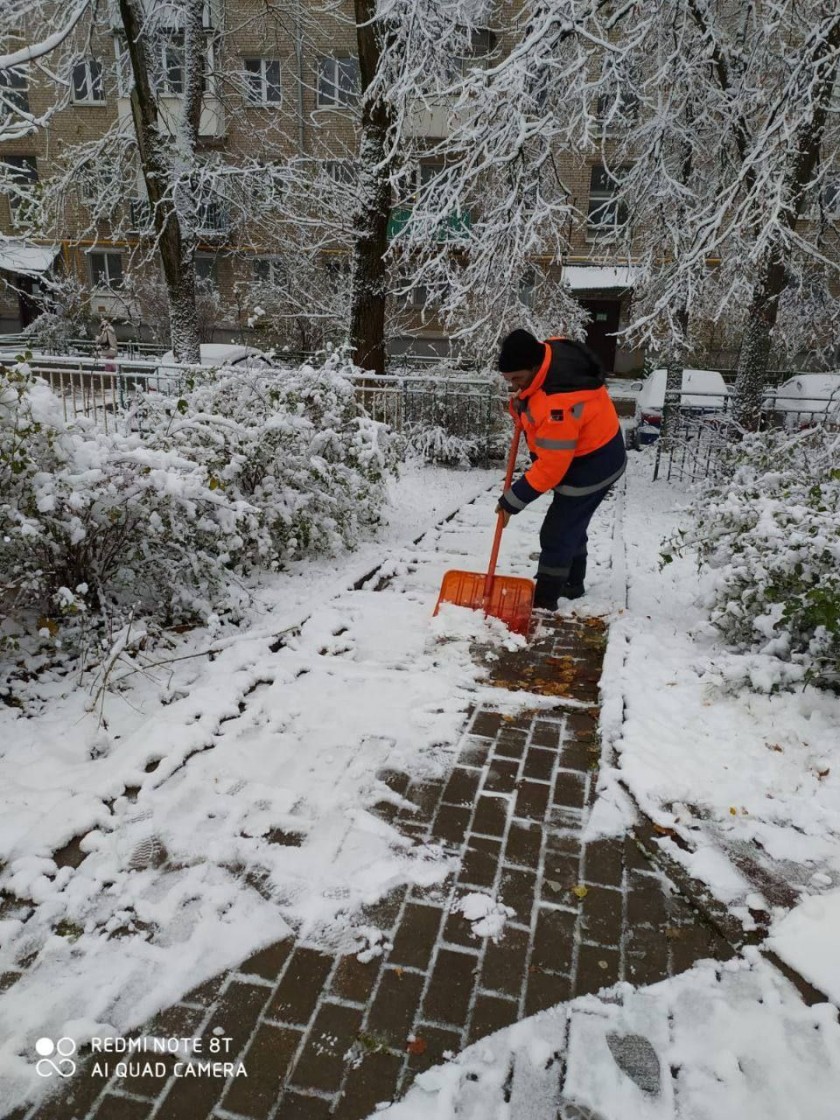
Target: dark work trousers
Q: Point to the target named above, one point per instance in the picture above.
(563, 536)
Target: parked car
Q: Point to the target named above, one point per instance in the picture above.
(807, 399)
(214, 355)
(703, 392)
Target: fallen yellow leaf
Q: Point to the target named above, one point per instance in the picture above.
(580, 890)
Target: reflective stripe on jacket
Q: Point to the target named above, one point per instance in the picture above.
(566, 414)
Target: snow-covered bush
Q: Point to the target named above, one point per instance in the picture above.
(454, 422)
(434, 444)
(90, 520)
(241, 472)
(769, 532)
(294, 445)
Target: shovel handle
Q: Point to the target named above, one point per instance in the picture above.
(500, 521)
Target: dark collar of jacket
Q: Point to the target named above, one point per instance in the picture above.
(566, 368)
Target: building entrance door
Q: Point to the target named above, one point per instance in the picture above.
(600, 331)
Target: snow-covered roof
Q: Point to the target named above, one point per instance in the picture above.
(584, 278)
(25, 258)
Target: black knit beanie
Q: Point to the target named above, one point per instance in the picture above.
(520, 350)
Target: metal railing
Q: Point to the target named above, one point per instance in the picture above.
(14, 344)
(692, 438)
(106, 392)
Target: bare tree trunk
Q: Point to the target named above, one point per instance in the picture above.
(176, 244)
(367, 312)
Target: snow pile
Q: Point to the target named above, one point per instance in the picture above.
(716, 1043)
(462, 623)
(808, 939)
(487, 916)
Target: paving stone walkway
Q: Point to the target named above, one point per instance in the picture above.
(329, 1036)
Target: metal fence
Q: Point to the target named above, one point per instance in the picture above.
(108, 393)
(472, 409)
(14, 344)
(693, 438)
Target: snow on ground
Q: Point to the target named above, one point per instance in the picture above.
(732, 770)
(727, 769)
(223, 802)
(210, 778)
(809, 940)
(719, 1042)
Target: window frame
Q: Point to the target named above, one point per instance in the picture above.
(483, 43)
(600, 230)
(275, 268)
(344, 96)
(91, 80)
(172, 44)
(106, 255)
(31, 175)
(210, 269)
(262, 85)
(15, 82)
(626, 111)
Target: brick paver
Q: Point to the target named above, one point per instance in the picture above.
(328, 1036)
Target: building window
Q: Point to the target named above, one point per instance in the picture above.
(269, 271)
(172, 64)
(830, 199)
(95, 181)
(125, 75)
(527, 285)
(87, 83)
(212, 216)
(342, 171)
(106, 271)
(18, 180)
(140, 219)
(205, 269)
(262, 78)
(617, 110)
(606, 214)
(338, 81)
(14, 92)
(417, 297)
(482, 44)
(337, 271)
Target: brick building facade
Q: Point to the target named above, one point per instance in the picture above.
(285, 86)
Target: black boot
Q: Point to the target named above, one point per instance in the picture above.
(548, 591)
(574, 588)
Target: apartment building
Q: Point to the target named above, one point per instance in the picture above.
(280, 87)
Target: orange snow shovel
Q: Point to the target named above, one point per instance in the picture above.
(510, 598)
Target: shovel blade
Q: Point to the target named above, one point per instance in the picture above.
(511, 598)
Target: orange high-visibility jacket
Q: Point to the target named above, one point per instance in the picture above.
(566, 414)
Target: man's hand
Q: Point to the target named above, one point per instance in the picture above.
(506, 514)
